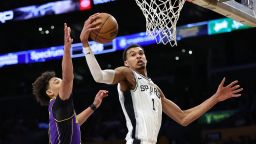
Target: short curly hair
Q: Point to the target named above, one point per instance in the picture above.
(40, 85)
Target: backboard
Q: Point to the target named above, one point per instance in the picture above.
(243, 11)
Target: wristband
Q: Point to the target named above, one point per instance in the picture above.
(93, 107)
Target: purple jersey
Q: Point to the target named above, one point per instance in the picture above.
(63, 127)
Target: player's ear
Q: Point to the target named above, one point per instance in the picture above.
(49, 92)
(126, 63)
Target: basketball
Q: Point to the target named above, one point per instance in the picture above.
(108, 29)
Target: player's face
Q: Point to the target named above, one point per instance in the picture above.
(54, 86)
(136, 58)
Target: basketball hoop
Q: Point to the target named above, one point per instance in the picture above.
(161, 19)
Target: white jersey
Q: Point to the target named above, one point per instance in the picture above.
(142, 108)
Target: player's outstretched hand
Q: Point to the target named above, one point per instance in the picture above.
(225, 92)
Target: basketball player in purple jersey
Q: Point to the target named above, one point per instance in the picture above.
(143, 101)
(64, 124)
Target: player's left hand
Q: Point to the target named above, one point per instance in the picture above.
(99, 97)
(229, 91)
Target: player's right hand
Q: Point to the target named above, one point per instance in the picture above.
(89, 25)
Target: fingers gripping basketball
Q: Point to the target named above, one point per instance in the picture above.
(108, 29)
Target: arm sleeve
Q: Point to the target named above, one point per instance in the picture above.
(99, 75)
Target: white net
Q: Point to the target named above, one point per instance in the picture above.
(161, 19)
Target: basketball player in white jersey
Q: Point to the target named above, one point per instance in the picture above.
(143, 101)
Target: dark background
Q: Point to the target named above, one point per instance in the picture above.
(186, 82)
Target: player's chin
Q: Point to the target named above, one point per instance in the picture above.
(143, 66)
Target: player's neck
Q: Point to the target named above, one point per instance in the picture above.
(142, 72)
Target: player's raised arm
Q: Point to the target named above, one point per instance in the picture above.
(67, 66)
(108, 76)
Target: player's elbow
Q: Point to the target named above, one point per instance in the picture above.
(182, 119)
(104, 77)
(185, 122)
(98, 78)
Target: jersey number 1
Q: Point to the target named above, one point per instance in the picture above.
(153, 101)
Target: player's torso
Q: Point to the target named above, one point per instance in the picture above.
(143, 109)
(66, 131)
